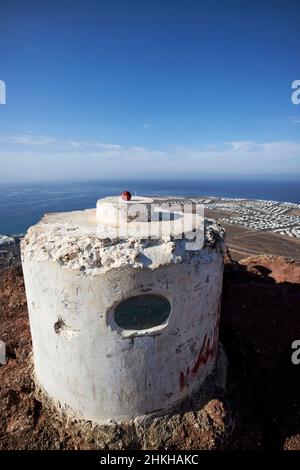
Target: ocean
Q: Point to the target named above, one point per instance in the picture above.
(22, 205)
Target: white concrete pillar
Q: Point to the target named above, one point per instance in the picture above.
(90, 355)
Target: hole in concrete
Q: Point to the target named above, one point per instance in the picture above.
(64, 330)
(58, 326)
(142, 312)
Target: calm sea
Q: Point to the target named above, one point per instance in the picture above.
(22, 205)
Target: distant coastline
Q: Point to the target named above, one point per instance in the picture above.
(23, 204)
(253, 226)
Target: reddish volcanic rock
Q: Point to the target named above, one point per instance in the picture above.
(260, 320)
(292, 443)
(278, 268)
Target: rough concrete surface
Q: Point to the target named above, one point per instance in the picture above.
(75, 241)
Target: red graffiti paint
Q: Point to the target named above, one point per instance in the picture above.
(208, 350)
(204, 354)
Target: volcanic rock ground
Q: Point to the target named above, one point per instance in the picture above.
(261, 409)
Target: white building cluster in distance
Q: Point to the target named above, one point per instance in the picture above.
(272, 216)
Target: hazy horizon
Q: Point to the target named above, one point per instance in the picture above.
(183, 180)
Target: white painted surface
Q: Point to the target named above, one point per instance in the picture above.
(98, 370)
(114, 210)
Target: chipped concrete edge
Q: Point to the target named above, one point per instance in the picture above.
(70, 248)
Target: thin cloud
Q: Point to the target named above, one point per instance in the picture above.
(26, 139)
(26, 157)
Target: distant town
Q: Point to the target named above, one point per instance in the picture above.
(272, 216)
(259, 215)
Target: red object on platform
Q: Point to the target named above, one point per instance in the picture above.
(126, 195)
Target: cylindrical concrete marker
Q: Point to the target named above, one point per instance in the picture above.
(121, 327)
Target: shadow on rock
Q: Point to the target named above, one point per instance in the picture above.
(260, 321)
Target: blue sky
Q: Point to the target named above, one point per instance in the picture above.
(107, 89)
